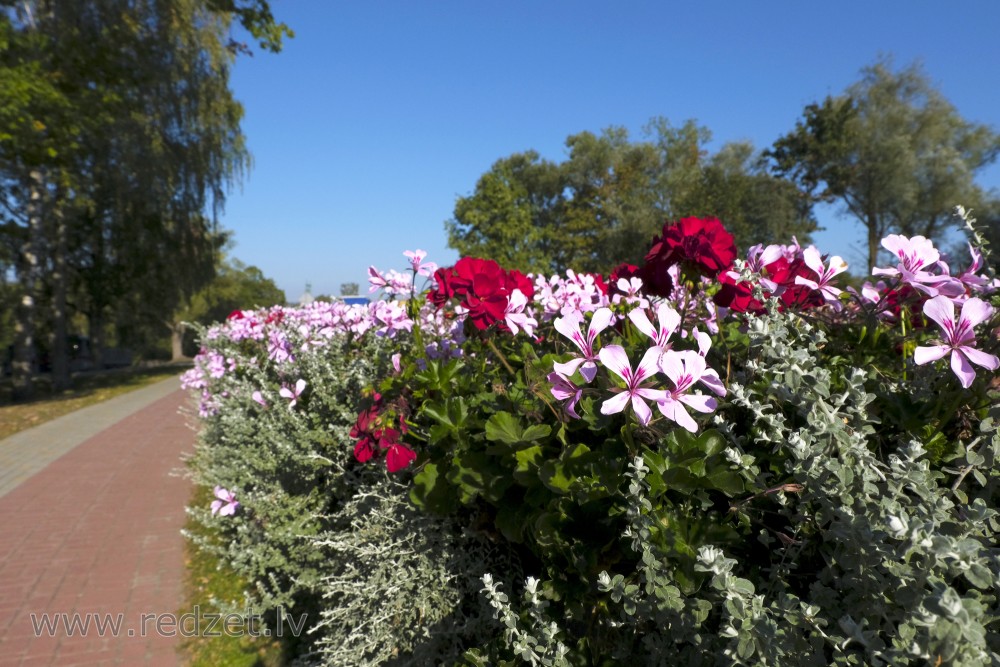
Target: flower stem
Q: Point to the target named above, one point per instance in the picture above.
(500, 355)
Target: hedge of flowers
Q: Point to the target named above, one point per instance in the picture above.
(706, 459)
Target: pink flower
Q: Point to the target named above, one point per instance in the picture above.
(569, 326)
(259, 398)
(376, 279)
(685, 369)
(226, 502)
(514, 315)
(417, 262)
(630, 291)
(667, 318)
(759, 257)
(564, 390)
(916, 255)
(616, 361)
(814, 261)
(958, 339)
(292, 394)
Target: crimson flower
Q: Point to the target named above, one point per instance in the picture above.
(482, 287)
(700, 244)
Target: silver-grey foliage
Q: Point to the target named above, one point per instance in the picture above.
(909, 565)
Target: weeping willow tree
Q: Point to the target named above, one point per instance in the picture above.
(116, 153)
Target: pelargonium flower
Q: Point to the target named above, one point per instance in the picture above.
(278, 348)
(630, 291)
(398, 456)
(515, 315)
(564, 390)
(569, 326)
(685, 369)
(669, 322)
(420, 267)
(577, 293)
(483, 287)
(292, 393)
(701, 244)
(616, 360)
(758, 257)
(824, 274)
(916, 254)
(959, 339)
(225, 503)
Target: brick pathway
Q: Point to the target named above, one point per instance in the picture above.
(96, 533)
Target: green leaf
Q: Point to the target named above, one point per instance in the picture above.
(432, 491)
(451, 412)
(528, 462)
(503, 427)
(727, 481)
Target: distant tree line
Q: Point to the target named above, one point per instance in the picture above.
(119, 137)
(891, 151)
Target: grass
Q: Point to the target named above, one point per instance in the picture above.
(209, 581)
(88, 389)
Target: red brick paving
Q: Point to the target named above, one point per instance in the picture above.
(98, 531)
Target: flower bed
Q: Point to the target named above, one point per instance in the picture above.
(698, 460)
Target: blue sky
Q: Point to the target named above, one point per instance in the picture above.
(378, 115)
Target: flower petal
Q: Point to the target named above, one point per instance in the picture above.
(941, 310)
(980, 358)
(675, 412)
(614, 359)
(567, 368)
(699, 402)
(962, 369)
(615, 404)
(600, 321)
(813, 260)
(976, 311)
(642, 323)
(642, 410)
(924, 355)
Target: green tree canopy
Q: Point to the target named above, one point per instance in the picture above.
(892, 150)
(119, 138)
(605, 202)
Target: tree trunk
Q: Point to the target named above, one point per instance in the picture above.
(177, 342)
(22, 368)
(96, 326)
(873, 242)
(59, 347)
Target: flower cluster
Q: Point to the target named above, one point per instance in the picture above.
(701, 245)
(373, 433)
(684, 368)
(483, 289)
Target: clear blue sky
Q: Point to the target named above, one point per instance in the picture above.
(377, 115)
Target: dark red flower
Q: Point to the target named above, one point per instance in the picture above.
(700, 244)
(737, 297)
(398, 457)
(444, 290)
(656, 280)
(482, 287)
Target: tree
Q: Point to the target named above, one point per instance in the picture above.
(507, 218)
(607, 200)
(236, 286)
(119, 137)
(735, 186)
(892, 150)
